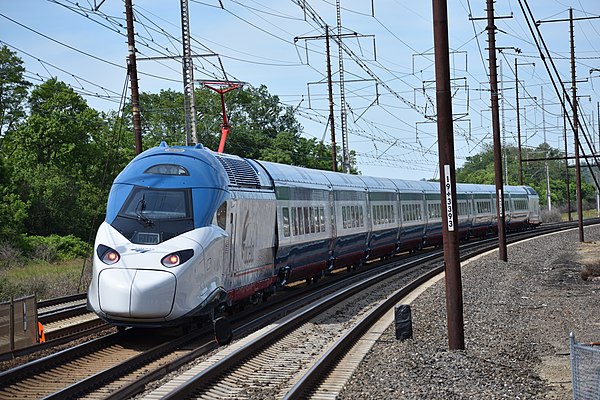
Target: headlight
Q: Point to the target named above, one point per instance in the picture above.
(177, 258)
(107, 255)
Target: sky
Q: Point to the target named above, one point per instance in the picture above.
(387, 58)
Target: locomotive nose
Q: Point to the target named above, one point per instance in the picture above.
(136, 293)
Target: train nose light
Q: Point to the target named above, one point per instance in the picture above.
(107, 255)
(177, 258)
(173, 259)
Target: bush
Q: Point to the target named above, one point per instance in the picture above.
(54, 247)
(551, 216)
(9, 255)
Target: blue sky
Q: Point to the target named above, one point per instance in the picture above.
(389, 124)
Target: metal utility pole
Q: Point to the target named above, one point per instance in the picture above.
(519, 117)
(189, 101)
(548, 194)
(345, 157)
(503, 124)
(575, 119)
(491, 28)
(343, 116)
(576, 129)
(133, 77)
(330, 90)
(567, 176)
(454, 301)
(518, 120)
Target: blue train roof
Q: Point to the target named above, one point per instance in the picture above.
(183, 166)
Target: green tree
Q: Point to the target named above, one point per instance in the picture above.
(260, 126)
(480, 169)
(13, 211)
(13, 91)
(54, 162)
(163, 118)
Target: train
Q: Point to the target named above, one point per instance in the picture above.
(189, 232)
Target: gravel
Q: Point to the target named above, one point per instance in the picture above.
(517, 317)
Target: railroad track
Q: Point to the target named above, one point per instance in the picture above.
(136, 362)
(296, 358)
(64, 319)
(67, 318)
(117, 366)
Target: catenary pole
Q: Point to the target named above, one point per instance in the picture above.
(132, 71)
(330, 92)
(450, 230)
(491, 28)
(576, 130)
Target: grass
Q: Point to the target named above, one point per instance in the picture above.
(43, 279)
(592, 213)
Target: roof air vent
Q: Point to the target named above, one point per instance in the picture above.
(240, 172)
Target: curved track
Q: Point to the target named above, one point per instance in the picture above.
(119, 365)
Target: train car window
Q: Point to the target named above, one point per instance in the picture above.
(221, 216)
(361, 218)
(316, 219)
(295, 220)
(285, 212)
(322, 218)
(311, 217)
(352, 215)
(299, 220)
(306, 220)
(167, 169)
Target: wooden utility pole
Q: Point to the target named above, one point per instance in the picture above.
(132, 71)
(491, 28)
(345, 159)
(450, 229)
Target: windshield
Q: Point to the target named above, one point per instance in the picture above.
(151, 216)
(156, 204)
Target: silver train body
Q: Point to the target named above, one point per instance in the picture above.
(189, 231)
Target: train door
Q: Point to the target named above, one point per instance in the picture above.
(228, 253)
(332, 223)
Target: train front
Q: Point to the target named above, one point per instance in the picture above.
(157, 256)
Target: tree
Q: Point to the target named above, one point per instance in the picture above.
(163, 117)
(54, 162)
(13, 211)
(261, 127)
(480, 169)
(13, 91)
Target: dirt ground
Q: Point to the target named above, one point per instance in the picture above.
(578, 275)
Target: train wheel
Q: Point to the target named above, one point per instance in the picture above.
(223, 332)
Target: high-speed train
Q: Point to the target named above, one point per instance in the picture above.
(189, 232)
